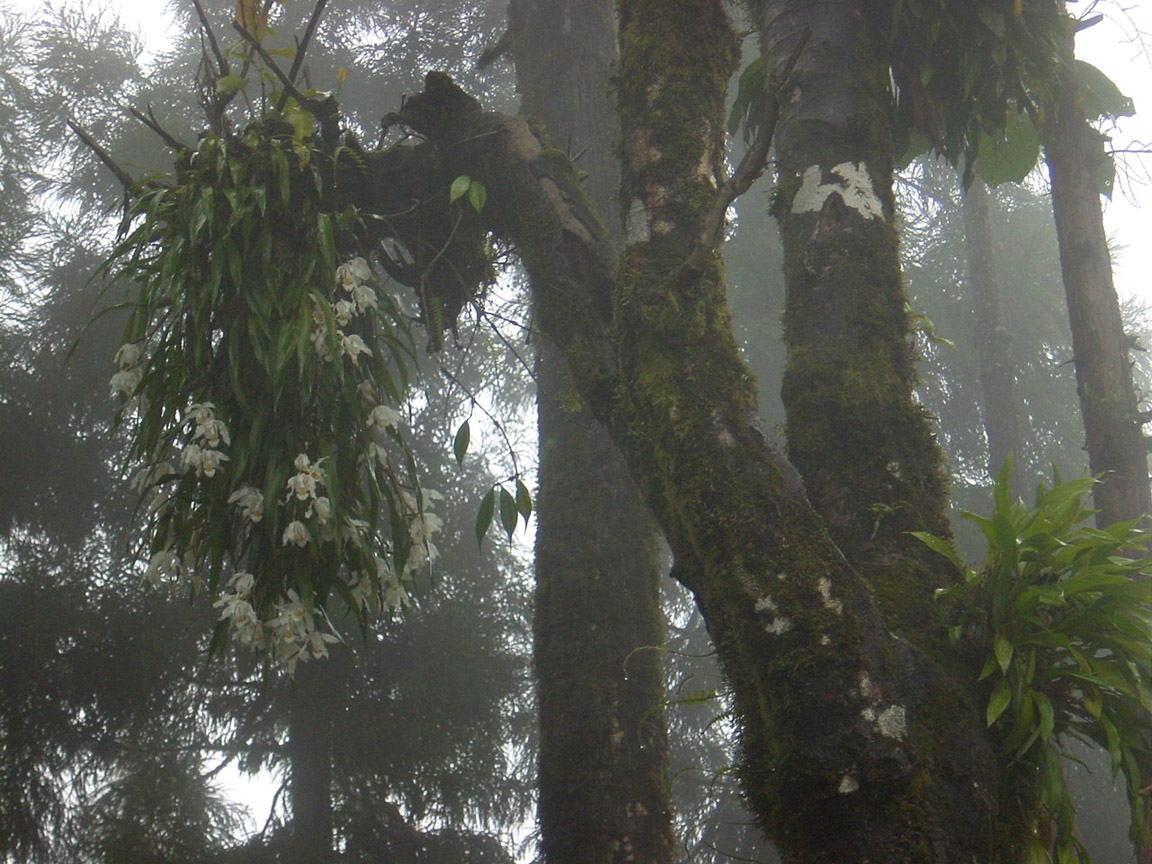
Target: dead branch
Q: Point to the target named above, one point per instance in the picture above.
(152, 123)
(123, 176)
(313, 23)
(221, 60)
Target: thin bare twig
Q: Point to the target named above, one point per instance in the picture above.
(221, 60)
(152, 123)
(298, 61)
(123, 176)
(477, 405)
(750, 168)
(289, 87)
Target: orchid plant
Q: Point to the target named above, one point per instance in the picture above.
(260, 374)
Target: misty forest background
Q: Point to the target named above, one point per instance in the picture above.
(119, 740)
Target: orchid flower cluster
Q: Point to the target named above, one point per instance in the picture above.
(352, 277)
(129, 359)
(313, 532)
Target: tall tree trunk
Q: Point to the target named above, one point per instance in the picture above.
(1113, 432)
(603, 786)
(864, 447)
(1112, 427)
(993, 344)
(309, 751)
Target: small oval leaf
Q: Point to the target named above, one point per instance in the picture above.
(477, 195)
(459, 186)
(460, 442)
(1003, 649)
(523, 500)
(1001, 696)
(509, 515)
(484, 515)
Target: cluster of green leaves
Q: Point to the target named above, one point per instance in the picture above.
(963, 70)
(475, 190)
(513, 506)
(1061, 614)
(235, 257)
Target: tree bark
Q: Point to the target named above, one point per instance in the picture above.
(309, 752)
(864, 447)
(993, 344)
(1112, 426)
(603, 786)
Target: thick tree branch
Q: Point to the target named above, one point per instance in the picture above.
(751, 166)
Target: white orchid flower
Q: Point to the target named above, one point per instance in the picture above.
(126, 381)
(296, 532)
(302, 486)
(213, 431)
(210, 461)
(352, 273)
(353, 345)
(160, 565)
(365, 298)
(251, 502)
(322, 507)
(395, 596)
(242, 583)
(342, 311)
(201, 412)
(191, 457)
(318, 643)
(129, 354)
(383, 417)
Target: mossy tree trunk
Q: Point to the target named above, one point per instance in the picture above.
(864, 447)
(854, 744)
(603, 786)
(1113, 435)
(993, 344)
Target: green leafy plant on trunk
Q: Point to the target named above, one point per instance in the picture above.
(1060, 619)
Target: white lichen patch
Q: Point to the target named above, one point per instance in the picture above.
(779, 626)
(892, 722)
(854, 188)
(848, 784)
(824, 586)
(867, 689)
(705, 170)
(766, 604)
(637, 228)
